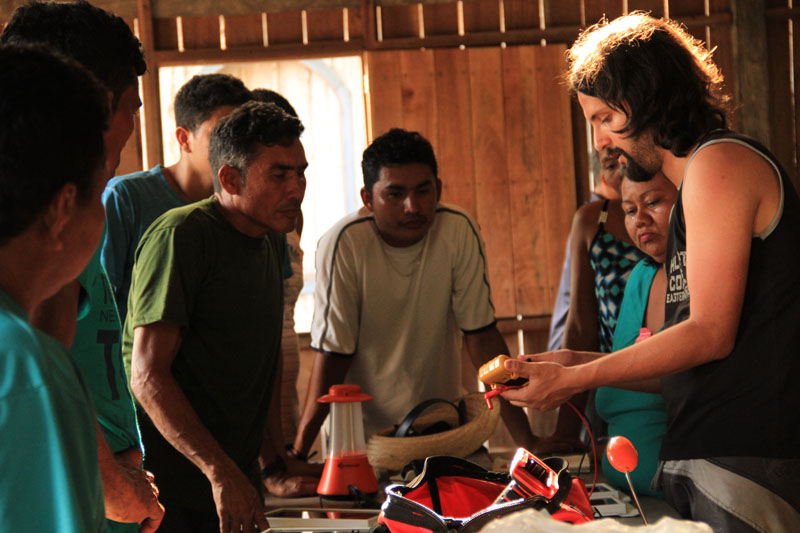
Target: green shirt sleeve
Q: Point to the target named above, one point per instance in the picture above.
(166, 274)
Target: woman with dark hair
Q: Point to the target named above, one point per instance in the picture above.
(640, 416)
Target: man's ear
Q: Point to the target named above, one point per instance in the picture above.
(438, 190)
(230, 180)
(366, 197)
(182, 135)
(59, 212)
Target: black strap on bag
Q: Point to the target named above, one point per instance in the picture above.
(406, 429)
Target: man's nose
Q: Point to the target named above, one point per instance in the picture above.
(411, 204)
(601, 139)
(297, 187)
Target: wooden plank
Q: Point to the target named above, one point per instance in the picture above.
(558, 13)
(124, 8)
(780, 94)
(440, 19)
(526, 181)
(481, 15)
(399, 21)
(581, 147)
(285, 28)
(721, 38)
(594, 10)
(285, 51)
(410, 2)
(686, 7)
(655, 7)
(385, 98)
(200, 32)
(750, 60)
(356, 23)
(792, 169)
(243, 30)
(197, 8)
(521, 14)
(151, 103)
(491, 173)
(325, 25)
(454, 144)
(418, 90)
(131, 156)
(556, 158)
(165, 35)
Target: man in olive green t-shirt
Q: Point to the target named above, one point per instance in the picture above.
(204, 325)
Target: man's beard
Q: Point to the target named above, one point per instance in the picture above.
(633, 170)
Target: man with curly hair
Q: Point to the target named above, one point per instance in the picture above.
(727, 358)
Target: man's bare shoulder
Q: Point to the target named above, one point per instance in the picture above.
(729, 163)
(734, 175)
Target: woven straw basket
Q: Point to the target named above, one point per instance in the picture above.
(393, 453)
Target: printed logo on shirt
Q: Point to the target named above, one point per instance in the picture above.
(677, 288)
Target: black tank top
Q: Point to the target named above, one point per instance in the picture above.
(747, 403)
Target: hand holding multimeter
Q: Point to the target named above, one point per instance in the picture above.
(494, 375)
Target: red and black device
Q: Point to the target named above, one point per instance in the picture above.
(530, 476)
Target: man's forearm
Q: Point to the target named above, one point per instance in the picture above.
(174, 417)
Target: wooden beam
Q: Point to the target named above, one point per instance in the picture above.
(150, 94)
(208, 56)
(559, 34)
(128, 9)
(750, 57)
(200, 8)
(782, 12)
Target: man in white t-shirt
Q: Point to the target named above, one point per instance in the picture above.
(398, 282)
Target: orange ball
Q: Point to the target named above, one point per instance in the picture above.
(622, 454)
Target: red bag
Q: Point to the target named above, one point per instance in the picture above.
(453, 494)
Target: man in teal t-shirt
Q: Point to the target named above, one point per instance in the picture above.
(113, 54)
(48, 457)
(51, 219)
(135, 200)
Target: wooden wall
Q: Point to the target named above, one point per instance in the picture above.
(499, 120)
(463, 72)
(783, 49)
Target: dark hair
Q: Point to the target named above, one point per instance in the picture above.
(53, 113)
(396, 147)
(202, 95)
(100, 41)
(237, 137)
(268, 96)
(652, 70)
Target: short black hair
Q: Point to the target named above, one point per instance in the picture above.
(100, 41)
(269, 96)
(237, 137)
(53, 114)
(202, 95)
(396, 147)
(662, 78)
